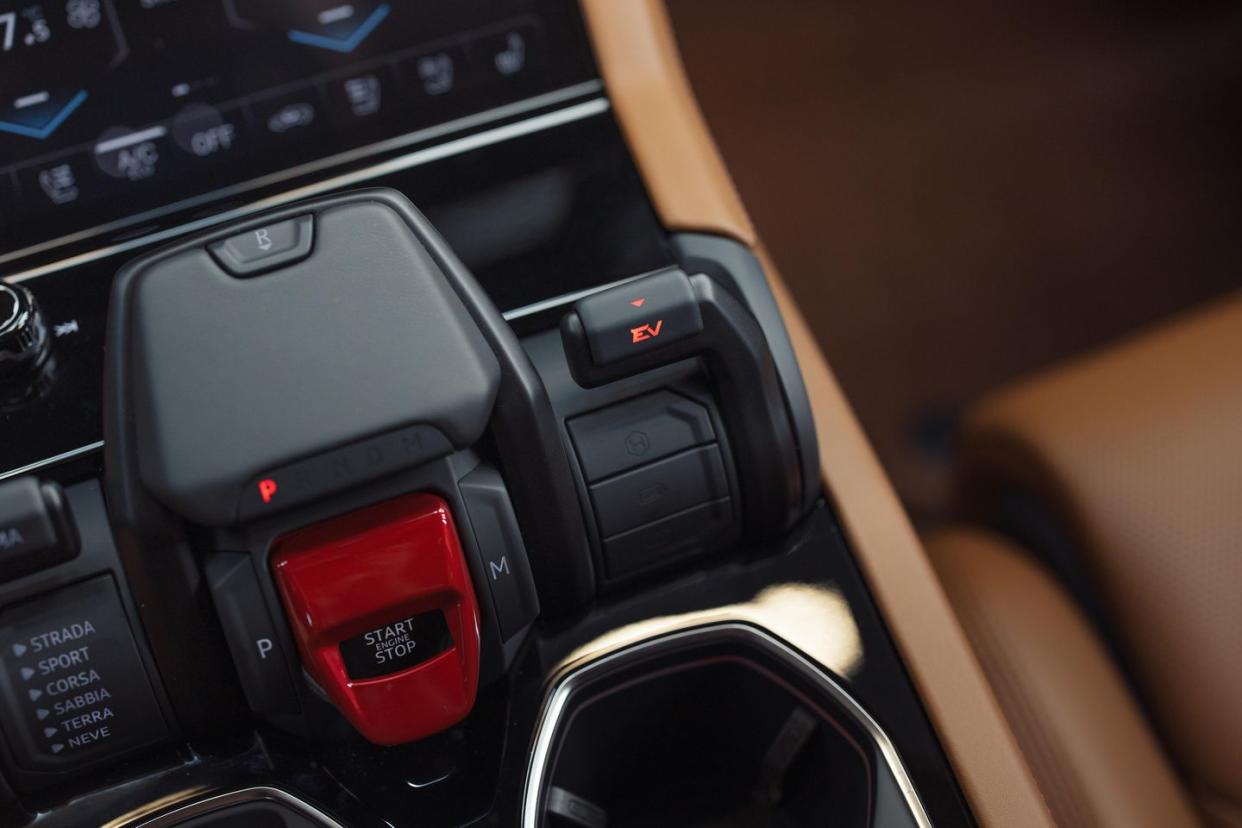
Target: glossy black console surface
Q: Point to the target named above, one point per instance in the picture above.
(475, 774)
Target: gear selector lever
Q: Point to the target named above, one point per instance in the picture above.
(318, 412)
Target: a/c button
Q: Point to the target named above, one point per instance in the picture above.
(263, 248)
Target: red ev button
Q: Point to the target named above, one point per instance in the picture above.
(385, 617)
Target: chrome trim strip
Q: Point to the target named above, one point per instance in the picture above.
(468, 122)
(215, 803)
(565, 684)
(47, 461)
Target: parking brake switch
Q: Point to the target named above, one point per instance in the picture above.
(385, 618)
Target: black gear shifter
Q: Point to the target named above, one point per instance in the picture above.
(352, 362)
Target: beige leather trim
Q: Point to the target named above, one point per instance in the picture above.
(1094, 754)
(692, 191)
(1138, 447)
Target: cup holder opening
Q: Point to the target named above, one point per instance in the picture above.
(713, 743)
(714, 728)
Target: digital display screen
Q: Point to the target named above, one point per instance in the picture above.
(111, 111)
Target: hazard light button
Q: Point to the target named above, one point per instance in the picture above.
(385, 618)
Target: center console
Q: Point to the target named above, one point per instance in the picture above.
(414, 472)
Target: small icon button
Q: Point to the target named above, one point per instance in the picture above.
(59, 183)
(507, 54)
(260, 249)
(289, 114)
(433, 74)
(637, 443)
(638, 431)
(364, 95)
(436, 73)
(361, 97)
(290, 117)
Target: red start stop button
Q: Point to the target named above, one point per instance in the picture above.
(385, 617)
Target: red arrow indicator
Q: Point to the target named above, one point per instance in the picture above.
(638, 303)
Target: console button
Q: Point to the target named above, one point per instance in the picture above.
(354, 585)
(639, 316)
(203, 131)
(60, 183)
(36, 527)
(133, 155)
(686, 533)
(396, 646)
(364, 96)
(432, 75)
(659, 490)
(252, 637)
(506, 567)
(507, 54)
(291, 115)
(73, 687)
(266, 247)
(642, 430)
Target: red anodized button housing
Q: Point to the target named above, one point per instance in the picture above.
(368, 571)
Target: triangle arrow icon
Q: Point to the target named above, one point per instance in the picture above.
(19, 650)
(49, 732)
(34, 694)
(57, 748)
(42, 714)
(27, 674)
(638, 303)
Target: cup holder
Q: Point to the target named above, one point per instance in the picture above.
(722, 725)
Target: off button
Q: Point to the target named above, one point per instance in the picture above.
(73, 687)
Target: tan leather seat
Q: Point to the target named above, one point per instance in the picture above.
(1136, 454)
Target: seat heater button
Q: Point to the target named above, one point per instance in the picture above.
(266, 247)
(640, 431)
(659, 490)
(400, 645)
(73, 687)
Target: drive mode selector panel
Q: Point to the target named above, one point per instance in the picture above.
(74, 689)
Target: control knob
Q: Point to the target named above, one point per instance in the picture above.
(24, 340)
